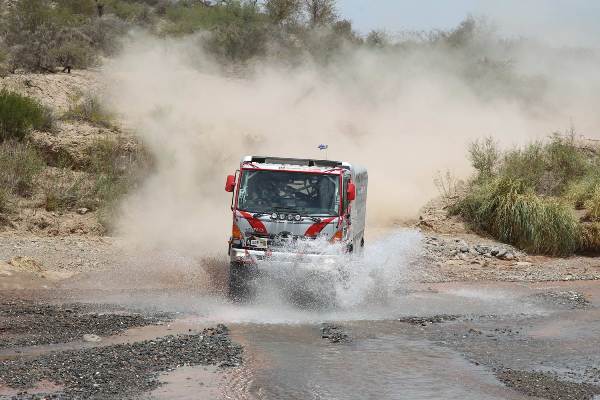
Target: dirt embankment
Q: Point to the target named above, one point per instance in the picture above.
(453, 252)
(66, 197)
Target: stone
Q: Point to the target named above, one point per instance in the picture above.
(91, 338)
(82, 211)
(523, 264)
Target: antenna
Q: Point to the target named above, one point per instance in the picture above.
(322, 147)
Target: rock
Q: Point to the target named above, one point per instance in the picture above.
(464, 249)
(501, 253)
(91, 338)
(82, 211)
(523, 264)
(495, 251)
(508, 256)
(334, 333)
(26, 264)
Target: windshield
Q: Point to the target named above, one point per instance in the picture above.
(269, 191)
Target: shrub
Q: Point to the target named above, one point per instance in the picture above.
(90, 109)
(510, 211)
(19, 165)
(41, 36)
(592, 204)
(65, 189)
(4, 201)
(135, 12)
(582, 190)
(117, 170)
(484, 156)
(590, 238)
(20, 114)
(565, 161)
(527, 165)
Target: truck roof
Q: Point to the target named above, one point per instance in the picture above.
(299, 164)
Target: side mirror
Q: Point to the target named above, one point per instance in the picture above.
(230, 183)
(351, 191)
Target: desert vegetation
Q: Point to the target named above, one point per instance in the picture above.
(543, 197)
(20, 114)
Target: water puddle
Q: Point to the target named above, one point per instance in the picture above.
(295, 363)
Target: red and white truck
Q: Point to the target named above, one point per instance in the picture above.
(283, 207)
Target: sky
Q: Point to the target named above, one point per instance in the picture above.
(566, 22)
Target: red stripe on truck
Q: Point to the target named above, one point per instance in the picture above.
(255, 223)
(316, 228)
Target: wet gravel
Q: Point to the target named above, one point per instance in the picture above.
(26, 323)
(121, 371)
(547, 385)
(335, 333)
(565, 299)
(424, 321)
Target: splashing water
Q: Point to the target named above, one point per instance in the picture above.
(336, 279)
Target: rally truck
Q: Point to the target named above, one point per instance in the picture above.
(293, 211)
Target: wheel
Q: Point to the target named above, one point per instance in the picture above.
(240, 282)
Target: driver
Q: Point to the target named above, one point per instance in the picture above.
(261, 191)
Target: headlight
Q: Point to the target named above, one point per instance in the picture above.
(274, 215)
(282, 216)
(298, 217)
(290, 217)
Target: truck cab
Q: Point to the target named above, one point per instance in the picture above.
(293, 209)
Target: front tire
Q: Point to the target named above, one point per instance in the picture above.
(240, 282)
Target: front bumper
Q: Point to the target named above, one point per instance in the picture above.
(273, 259)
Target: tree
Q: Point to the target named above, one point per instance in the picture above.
(377, 39)
(320, 12)
(281, 11)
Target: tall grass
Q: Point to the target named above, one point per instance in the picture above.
(592, 205)
(89, 108)
(510, 211)
(527, 196)
(590, 238)
(19, 114)
(4, 201)
(19, 165)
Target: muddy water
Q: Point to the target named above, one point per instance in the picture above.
(294, 363)
(286, 357)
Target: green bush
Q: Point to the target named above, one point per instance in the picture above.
(592, 205)
(20, 114)
(566, 161)
(510, 211)
(527, 165)
(19, 165)
(581, 191)
(484, 156)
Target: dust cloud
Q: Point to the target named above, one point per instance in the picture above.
(404, 115)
